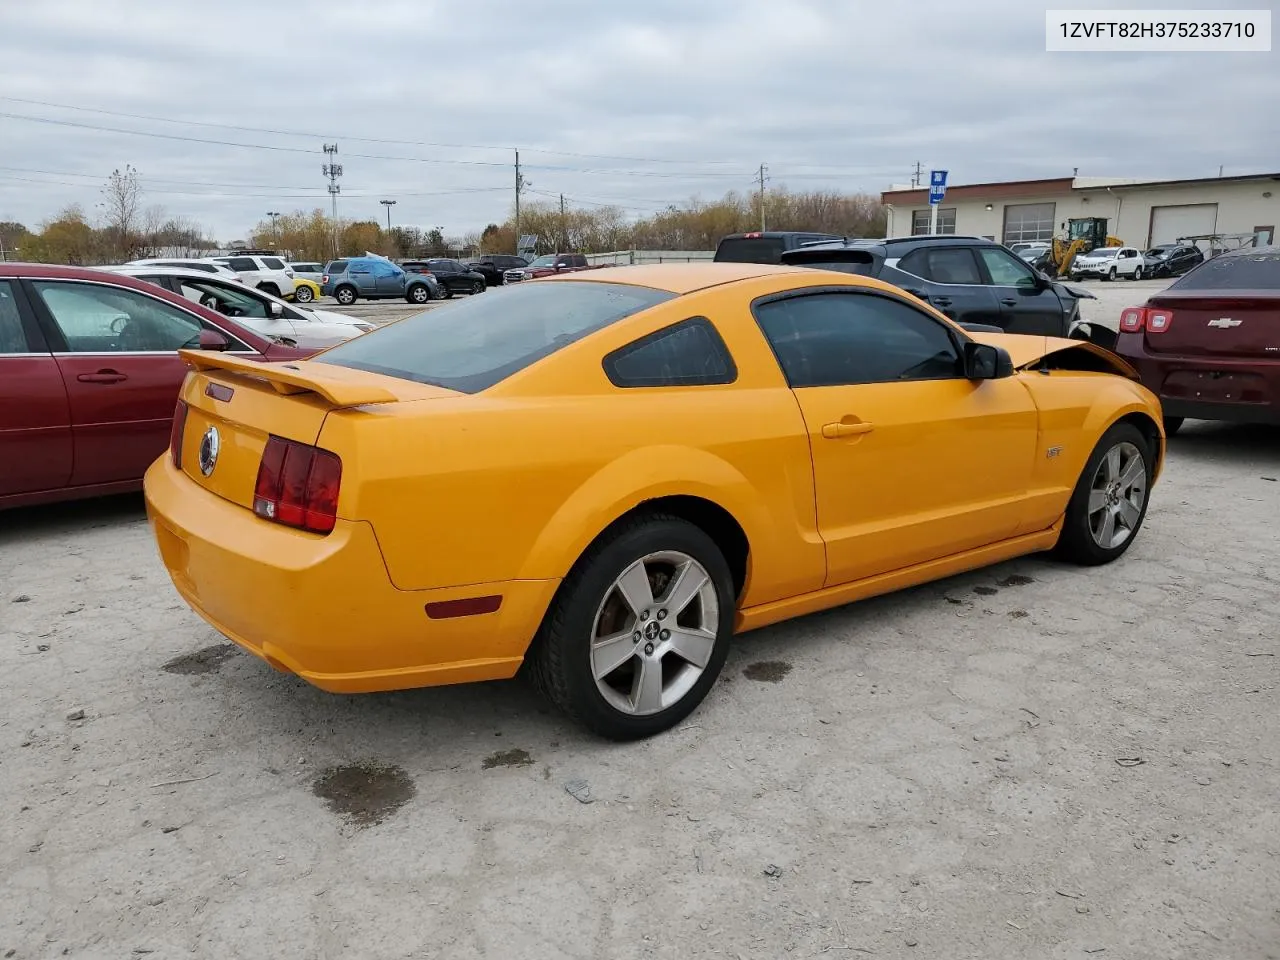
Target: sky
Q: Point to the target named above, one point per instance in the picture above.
(223, 108)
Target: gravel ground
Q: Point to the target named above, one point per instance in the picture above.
(1029, 761)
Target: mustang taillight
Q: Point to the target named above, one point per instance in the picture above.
(298, 485)
(175, 433)
(1151, 319)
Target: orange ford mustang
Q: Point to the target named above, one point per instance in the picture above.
(604, 476)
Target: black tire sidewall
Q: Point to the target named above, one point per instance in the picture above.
(586, 588)
(414, 291)
(1076, 541)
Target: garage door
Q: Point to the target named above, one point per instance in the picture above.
(1169, 224)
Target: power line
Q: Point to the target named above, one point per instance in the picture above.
(347, 136)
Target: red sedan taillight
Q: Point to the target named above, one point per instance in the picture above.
(1151, 319)
(298, 485)
(175, 433)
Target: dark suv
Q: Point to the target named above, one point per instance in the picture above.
(491, 266)
(971, 280)
(767, 246)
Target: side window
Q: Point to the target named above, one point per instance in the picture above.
(274, 263)
(359, 267)
(687, 354)
(242, 264)
(336, 266)
(831, 339)
(942, 264)
(1006, 270)
(13, 338)
(96, 318)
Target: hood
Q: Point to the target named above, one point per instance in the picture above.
(333, 317)
(1027, 351)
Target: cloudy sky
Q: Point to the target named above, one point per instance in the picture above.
(223, 107)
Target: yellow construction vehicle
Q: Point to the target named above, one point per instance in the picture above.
(1083, 234)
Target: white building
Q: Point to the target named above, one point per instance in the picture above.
(1142, 213)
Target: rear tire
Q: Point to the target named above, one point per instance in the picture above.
(270, 288)
(1172, 425)
(1137, 273)
(345, 295)
(418, 293)
(477, 287)
(1110, 500)
(595, 650)
(1111, 274)
(303, 295)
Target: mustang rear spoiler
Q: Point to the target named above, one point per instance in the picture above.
(340, 386)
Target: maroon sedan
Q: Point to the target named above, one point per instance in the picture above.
(89, 375)
(1209, 345)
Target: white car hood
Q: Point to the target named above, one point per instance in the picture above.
(331, 317)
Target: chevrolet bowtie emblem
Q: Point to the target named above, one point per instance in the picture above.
(1225, 322)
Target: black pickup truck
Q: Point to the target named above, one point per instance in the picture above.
(492, 265)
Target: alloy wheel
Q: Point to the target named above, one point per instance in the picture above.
(1117, 495)
(654, 633)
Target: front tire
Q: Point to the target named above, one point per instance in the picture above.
(270, 288)
(1110, 500)
(418, 293)
(1137, 273)
(303, 295)
(477, 287)
(1111, 274)
(640, 629)
(345, 295)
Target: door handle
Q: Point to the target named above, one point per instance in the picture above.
(102, 376)
(1009, 302)
(842, 428)
(942, 301)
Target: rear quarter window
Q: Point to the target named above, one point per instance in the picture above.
(471, 345)
(274, 263)
(336, 266)
(689, 353)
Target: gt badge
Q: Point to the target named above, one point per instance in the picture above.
(209, 445)
(1053, 452)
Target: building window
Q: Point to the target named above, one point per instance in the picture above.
(920, 221)
(1028, 222)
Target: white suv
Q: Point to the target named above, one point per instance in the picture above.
(269, 274)
(1109, 263)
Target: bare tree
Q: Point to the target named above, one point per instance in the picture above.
(122, 204)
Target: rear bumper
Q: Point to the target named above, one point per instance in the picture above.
(1207, 388)
(324, 607)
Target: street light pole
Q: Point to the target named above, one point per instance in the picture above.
(275, 234)
(388, 204)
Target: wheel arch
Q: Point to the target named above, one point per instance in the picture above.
(707, 492)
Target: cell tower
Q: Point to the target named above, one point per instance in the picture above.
(333, 171)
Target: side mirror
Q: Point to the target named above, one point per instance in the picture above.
(982, 361)
(277, 309)
(213, 340)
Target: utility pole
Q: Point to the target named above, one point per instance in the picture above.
(275, 234)
(564, 232)
(333, 171)
(519, 186)
(915, 177)
(763, 171)
(388, 204)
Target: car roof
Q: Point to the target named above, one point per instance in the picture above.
(678, 278)
(1268, 251)
(132, 269)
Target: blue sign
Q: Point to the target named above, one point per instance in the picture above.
(937, 185)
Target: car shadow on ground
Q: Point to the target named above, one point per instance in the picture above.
(1227, 443)
(62, 518)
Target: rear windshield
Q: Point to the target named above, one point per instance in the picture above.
(852, 261)
(1259, 271)
(337, 266)
(470, 345)
(750, 250)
